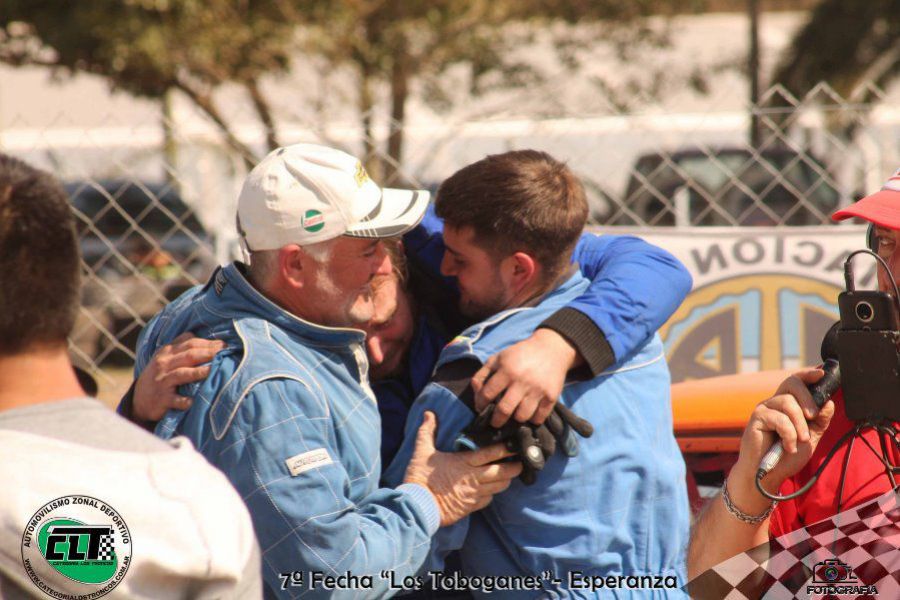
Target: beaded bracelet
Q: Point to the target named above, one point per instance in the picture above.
(739, 514)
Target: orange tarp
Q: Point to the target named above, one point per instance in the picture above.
(710, 414)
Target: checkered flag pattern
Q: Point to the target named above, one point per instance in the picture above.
(867, 538)
(106, 548)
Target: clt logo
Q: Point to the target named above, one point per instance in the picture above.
(833, 571)
(71, 539)
(76, 547)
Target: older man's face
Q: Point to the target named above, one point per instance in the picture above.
(341, 287)
(390, 331)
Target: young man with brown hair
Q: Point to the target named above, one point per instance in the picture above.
(55, 442)
(618, 508)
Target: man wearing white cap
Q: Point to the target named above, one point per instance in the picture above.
(740, 517)
(286, 411)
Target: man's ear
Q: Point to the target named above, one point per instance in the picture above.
(293, 267)
(523, 270)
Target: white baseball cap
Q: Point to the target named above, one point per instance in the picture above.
(307, 193)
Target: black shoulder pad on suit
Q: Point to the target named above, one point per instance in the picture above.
(457, 377)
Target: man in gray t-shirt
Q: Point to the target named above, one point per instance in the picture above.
(90, 503)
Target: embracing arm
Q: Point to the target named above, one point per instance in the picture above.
(635, 287)
(156, 388)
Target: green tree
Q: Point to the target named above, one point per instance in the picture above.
(149, 47)
(392, 43)
(845, 44)
(854, 47)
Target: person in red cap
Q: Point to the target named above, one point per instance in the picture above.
(740, 517)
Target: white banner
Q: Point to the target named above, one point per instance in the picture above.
(763, 297)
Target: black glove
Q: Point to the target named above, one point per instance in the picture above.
(533, 444)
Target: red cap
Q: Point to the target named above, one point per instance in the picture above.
(881, 208)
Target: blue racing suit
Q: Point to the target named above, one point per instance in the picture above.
(618, 508)
(262, 416)
(287, 414)
(635, 288)
(622, 307)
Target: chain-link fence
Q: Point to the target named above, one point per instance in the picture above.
(811, 156)
(142, 246)
(155, 200)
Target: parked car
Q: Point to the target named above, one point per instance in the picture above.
(727, 186)
(141, 245)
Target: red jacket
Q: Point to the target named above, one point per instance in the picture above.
(865, 478)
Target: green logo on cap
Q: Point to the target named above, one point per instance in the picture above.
(313, 221)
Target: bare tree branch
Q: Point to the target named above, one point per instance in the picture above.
(205, 102)
(264, 111)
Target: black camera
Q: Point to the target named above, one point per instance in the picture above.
(861, 355)
(869, 351)
(867, 311)
(832, 571)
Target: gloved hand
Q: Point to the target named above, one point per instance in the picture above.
(533, 444)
